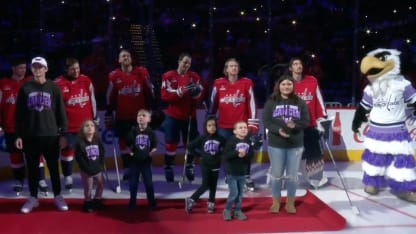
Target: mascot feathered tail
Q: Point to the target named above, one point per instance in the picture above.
(387, 159)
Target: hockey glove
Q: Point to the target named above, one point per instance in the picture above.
(256, 141)
(193, 89)
(360, 116)
(97, 121)
(319, 126)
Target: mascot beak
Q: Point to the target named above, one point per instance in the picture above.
(374, 68)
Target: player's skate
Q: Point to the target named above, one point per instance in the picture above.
(43, 187)
(169, 174)
(18, 188)
(250, 184)
(68, 183)
(189, 172)
(316, 184)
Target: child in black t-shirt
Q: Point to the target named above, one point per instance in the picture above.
(238, 153)
(142, 142)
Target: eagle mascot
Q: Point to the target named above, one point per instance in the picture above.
(387, 159)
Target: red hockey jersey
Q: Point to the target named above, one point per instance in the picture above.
(180, 107)
(129, 92)
(233, 101)
(9, 88)
(79, 100)
(308, 90)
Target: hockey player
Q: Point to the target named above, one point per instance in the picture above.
(181, 90)
(80, 105)
(129, 90)
(9, 88)
(307, 88)
(233, 98)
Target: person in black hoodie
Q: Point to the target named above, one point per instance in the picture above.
(89, 154)
(208, 147)
(40, 123)
(238, 153)
(142, 142)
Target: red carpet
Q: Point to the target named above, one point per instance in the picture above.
(312, 215)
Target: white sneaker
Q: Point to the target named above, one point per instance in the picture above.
(60, 203)
(32, 202)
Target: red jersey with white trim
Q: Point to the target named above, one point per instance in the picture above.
(179, 107)
(308, 90)
(233, 101)
(79, 100)
(9, 88)
(129, 92)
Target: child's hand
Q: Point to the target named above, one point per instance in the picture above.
(242, 153)
(152, 152)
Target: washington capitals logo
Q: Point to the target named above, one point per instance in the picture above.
(82, 98)
(306, 95)
(11, 99)
(235, 99)
(133, 89)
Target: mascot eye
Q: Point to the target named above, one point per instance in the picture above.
(383, 56)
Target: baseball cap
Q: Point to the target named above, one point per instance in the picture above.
(39, 60)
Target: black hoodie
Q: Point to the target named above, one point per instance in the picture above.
(208, 147)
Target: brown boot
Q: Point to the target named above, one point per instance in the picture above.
(371, 190)
(290, 205)
(276, 205)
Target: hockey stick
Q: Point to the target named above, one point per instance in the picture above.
(118, 186)
(107, 180)
(186, 153)
(327, 125)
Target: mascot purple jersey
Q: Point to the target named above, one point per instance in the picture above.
(387, 159)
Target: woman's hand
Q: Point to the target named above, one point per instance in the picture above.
(283, 134)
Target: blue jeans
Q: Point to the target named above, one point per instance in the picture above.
(282, 159)
(236, 187)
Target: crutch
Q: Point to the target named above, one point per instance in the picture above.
(186, 153)
(327, 124)
(118, 186)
